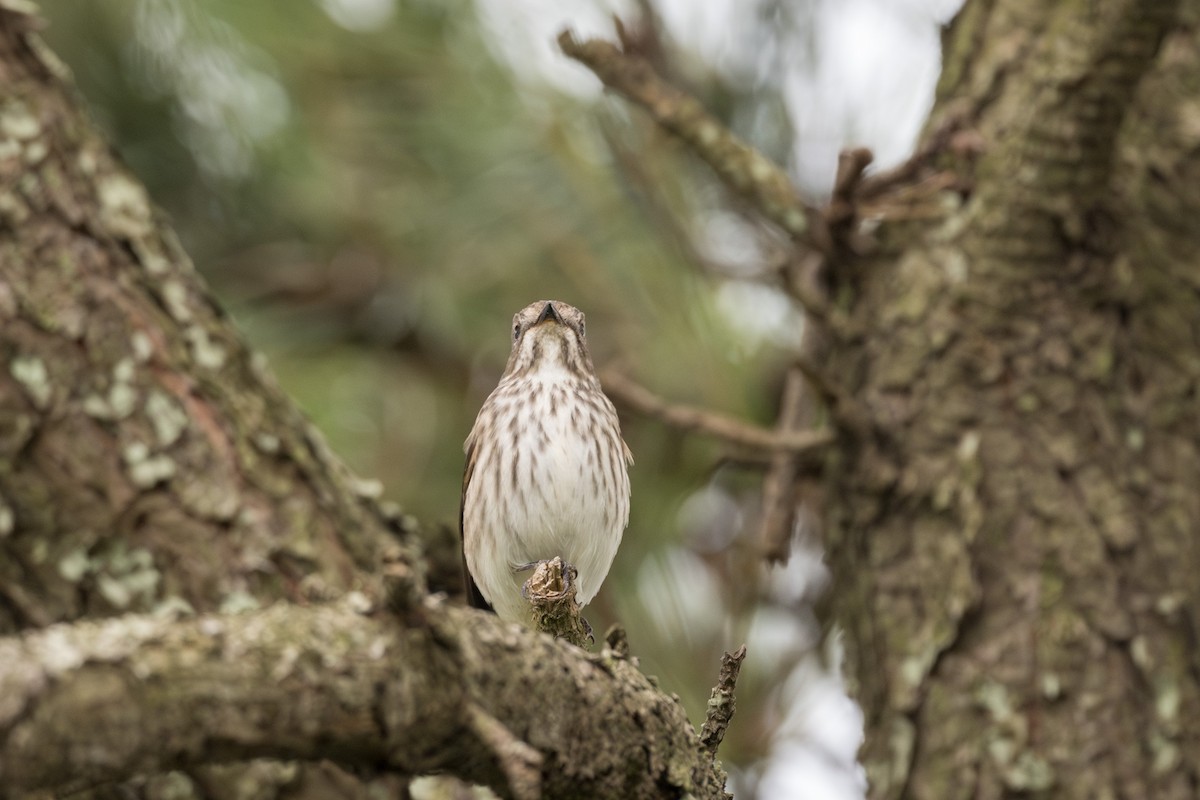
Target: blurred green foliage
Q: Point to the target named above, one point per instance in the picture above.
(372, 206)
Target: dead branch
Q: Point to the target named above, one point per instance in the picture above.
(551, 593)
(778, 493)
(721, 703)
(736, 163)
(629, 393)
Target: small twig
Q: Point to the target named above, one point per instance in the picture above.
(403, 585)
(735, 162)
(840, 212)
(915, 200)
(801, 276)
(721, 704)
(616, 641)
(732, 430)
(936, 143)
(851, 164)
(778, 492)
(520, 762)
(551, 593)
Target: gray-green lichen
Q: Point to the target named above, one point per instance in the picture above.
(31, 373)
(122, 575)
(35, 152)
(212, 496)
(266, 442)
(1168, 604)
(993, 697)
(125, 576)
(205, 352)
(166, 416)
(146, 470)
(173, 606)
(8, 519)
(18, 122)
(368, 488)
(172, 786)
(1008, 742)
(1167, 699)
(142, 347)
(124, 206)
(74, 565)
(1166, 754)
(1139, 651)
(150, 256)
(87, 161)
(13, 209)
(121, 398)
(175, 298)
(1029, 773)
(238, 601)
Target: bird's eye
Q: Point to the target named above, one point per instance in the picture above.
(516, 330)
(582, 328)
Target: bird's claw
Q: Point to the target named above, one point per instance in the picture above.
(569, 573)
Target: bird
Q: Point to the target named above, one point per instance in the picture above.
(546, 469)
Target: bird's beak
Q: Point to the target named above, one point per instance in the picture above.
(548, 313)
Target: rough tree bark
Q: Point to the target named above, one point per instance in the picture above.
(1015, 537)
(151, 468)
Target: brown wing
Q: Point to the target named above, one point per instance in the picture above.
(475, 598)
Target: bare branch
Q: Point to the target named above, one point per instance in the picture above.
(520, 762)
(778, 493)
(551, 593)
(93, 702)
(711, 423)
(851, 164)
(721, 704)
(736, 163)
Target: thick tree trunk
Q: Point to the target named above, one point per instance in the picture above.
(1015, 534)
(148, 461)
(147, 458)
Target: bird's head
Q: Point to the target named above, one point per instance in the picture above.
(549, 334)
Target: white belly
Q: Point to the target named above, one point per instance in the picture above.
(558, 498)
(562, 507)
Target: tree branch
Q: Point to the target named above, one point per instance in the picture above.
(93, 702)
(520, 762)
(779, 493)
(721, 703)
(629, 393)
(736, 163)
(550, 591)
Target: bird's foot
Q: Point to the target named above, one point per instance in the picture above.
(550, 591)
(562, 568)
